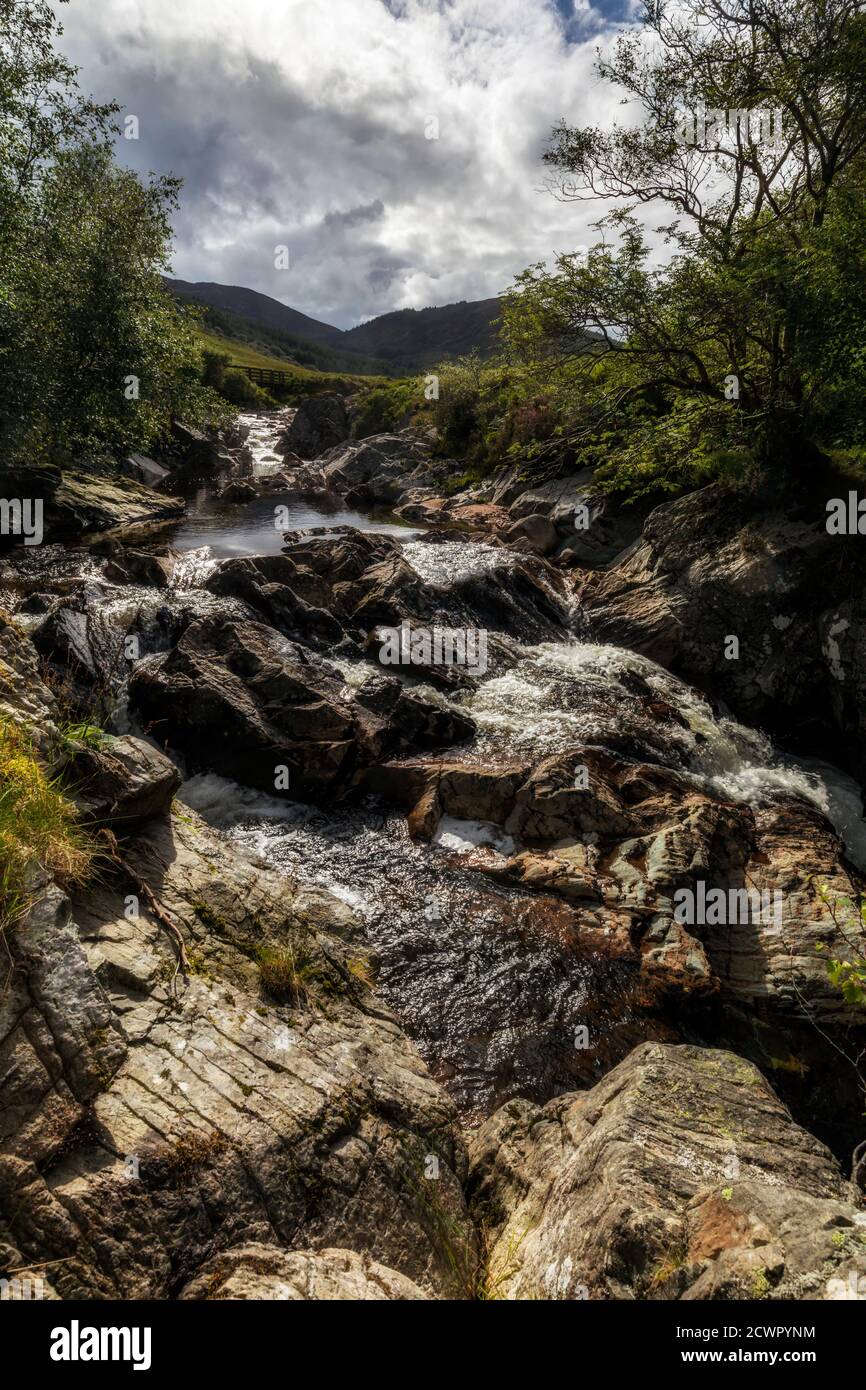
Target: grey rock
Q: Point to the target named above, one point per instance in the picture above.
(266, 1272)
(678, 1176)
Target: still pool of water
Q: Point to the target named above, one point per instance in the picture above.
(248, 528)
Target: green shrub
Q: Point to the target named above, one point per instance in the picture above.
(237, 388)
(390, 407)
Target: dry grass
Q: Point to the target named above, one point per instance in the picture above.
(38, 827)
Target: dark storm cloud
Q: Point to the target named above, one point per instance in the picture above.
(309, 126)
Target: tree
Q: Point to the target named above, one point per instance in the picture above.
(747, 122)
(94, 353)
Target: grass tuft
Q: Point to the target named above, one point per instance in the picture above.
(38, 827)
(292, 976)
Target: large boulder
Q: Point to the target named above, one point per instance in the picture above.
(536, 531)
(120, 781)
(718, 565)
(239, 699)
(680, 1175)
(318, 424)
(80, 499)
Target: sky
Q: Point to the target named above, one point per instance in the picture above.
(392, 146)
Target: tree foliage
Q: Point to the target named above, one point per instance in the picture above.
(94, 354)
(737, 332)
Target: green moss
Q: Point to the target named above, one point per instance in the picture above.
(760, 1284)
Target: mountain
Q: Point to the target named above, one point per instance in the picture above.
(260, 308)
(406, 340)
(426, 336)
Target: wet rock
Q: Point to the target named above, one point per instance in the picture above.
(268, 584)
(241, 700)
(238, 491)
(367, 581)
(680, 1175)
(193, 448)
(267, 1272)
(128, 566)
(318, 424)
(92, 500)
(150, 1128)
(619, 840)
(274, 482)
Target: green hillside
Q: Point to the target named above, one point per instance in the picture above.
(307, 379)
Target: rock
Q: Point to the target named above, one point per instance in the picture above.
(718, 564)
(239, 699)
(60, 1041)
(678, 1176)
(538, 532)
(238, 491)
(318, 424)
(23, 695)
(195, 449)
(267, 1272)
(148, 1129)
(366, 581)
(144, 470)
(267, 584)
(273, 482)
(102, 501)
(620, 845)
(122, 780)
(128, 566)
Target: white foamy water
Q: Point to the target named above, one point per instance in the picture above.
(264, 432)
(560, 694)
(192, 568)
(448, 562)
(464, 836)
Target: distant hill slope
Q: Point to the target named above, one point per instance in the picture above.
(406, 340)
(427, 335)
(249, 304)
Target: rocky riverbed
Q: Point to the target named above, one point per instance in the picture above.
(509, 1064)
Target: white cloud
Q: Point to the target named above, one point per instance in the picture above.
(301, 123)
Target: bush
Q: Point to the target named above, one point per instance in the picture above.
(389, 407)
(237, 388)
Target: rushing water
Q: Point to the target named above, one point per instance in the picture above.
(257, 527)
(487, 978)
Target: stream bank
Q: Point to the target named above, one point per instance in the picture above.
(502, 851)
